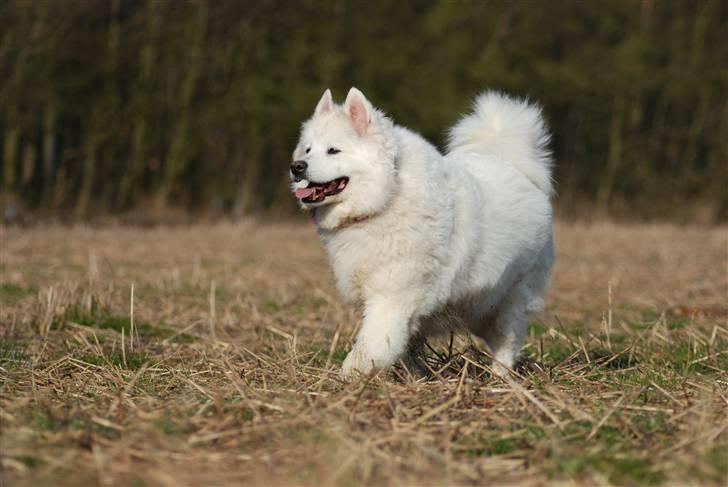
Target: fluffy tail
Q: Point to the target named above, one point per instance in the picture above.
(510, 129)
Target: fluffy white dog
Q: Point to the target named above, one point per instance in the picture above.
(426, 241)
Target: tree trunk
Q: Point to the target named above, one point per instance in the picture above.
(147, 56)
(615, 154)
(88, 175)
(178, 154)
(10, 150)
(49, 147)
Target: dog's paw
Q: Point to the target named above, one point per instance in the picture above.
(500, 370)
(356, 364)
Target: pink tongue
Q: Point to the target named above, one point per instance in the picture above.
(304, 192)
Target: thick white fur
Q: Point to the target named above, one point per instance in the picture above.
(510, 129)
(425, 241)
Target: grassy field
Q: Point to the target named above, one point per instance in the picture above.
(209, 355)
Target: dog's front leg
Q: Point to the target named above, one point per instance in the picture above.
(382, 339)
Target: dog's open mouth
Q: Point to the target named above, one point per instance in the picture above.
(317, 192)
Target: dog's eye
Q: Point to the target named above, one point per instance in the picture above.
(332, 151)
(308, 149)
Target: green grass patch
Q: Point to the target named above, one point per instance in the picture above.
(610, 360)
(12, 353)
(170, 427)
(655, 423)
(121, 324)
(339, 356)
(232, 402)
(495, 445)
(624, 469)
(321, 353)
(645, 376)
(11, 293)
(270, 306)
(45, 420)
(247, 415)
(132, 361)
(610, 453)
(305, 305)
(557, 352)
(501, 446)
(677, 324)
(537, 329)
(301, 306)
(717, 458)
(149, 384)
(31, 462)
(682, 357)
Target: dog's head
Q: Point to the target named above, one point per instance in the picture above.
(345, 158)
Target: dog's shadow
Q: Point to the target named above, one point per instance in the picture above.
(452, 361)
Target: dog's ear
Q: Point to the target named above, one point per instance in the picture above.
(359, 110)
(325, 104)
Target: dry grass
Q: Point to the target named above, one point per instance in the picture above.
(230, 374)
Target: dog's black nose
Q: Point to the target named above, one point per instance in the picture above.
(298, 167)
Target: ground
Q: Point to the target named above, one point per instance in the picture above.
(209, 355)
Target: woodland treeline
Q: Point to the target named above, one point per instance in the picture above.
(117, 105)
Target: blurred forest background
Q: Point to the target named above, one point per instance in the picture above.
(142, 106)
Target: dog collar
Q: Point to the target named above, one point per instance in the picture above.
(353, 221)
(344, 223)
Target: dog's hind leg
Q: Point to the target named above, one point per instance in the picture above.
(504, 335)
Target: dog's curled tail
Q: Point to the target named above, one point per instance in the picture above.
(510, 129)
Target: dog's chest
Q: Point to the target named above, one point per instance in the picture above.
(352, 275)
(354, 258)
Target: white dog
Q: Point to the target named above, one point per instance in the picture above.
(425, 241)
